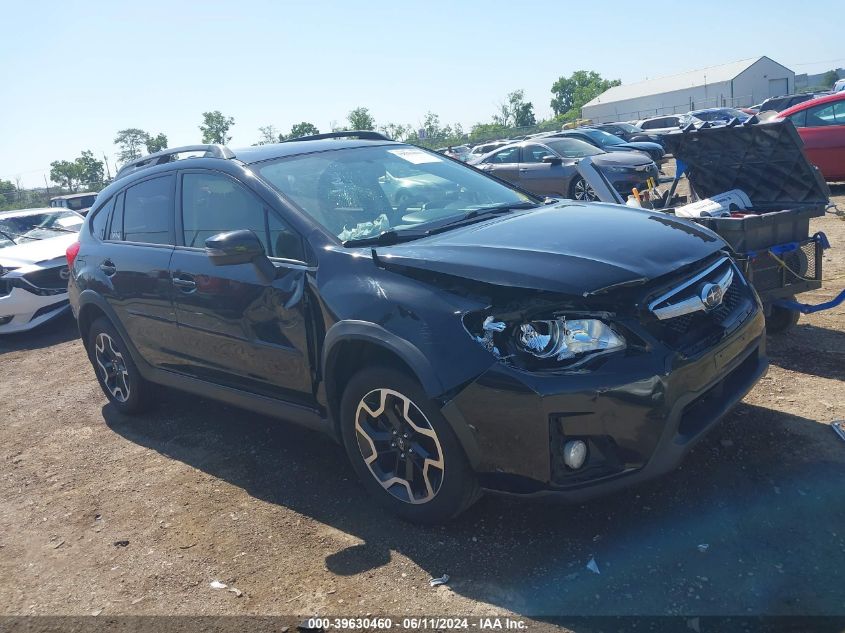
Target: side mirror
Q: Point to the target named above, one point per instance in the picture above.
(233, 247)
(552, 160)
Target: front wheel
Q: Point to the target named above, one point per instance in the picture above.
(580, 189)
(403, 449)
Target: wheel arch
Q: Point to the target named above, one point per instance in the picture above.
(93, 306)
(351, 344)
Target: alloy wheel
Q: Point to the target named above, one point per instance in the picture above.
(112, 366)
(583, 191)
(399, 446)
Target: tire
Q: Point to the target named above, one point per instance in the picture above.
(116, 372)
(581, 190)
(780, 319)
(407, 426)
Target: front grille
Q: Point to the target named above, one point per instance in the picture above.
(48, 277)
(695, 332)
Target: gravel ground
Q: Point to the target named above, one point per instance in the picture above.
(104, 514)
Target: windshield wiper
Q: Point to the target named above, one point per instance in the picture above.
(386, 238)
(475, 214)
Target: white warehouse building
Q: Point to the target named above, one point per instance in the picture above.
(738, 84)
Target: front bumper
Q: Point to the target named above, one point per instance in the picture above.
(21, 310)
(639, 414)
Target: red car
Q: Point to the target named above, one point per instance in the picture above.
(821, 124)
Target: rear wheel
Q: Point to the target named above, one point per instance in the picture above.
(403, 449)
(580, 189)
(117, 373)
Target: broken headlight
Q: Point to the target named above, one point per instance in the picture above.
(549, 343)
(562, 339)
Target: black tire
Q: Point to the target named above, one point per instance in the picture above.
(116, 371)
(579, 189)
(452, 482)
(780, 319)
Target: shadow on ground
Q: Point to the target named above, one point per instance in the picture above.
(809, 349)
(59, 330)
(751, 524)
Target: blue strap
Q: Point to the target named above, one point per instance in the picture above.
(806, 308)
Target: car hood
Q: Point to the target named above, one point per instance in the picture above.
(643, 146)
(571, 247)
(35, 252)
(622, 159)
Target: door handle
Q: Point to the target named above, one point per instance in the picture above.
(108, 267)
(185, 283)
(523, 169)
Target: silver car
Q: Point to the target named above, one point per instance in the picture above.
(547, 167)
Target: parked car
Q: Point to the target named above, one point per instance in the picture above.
(79, 202)
(33, 268)
(461, 152)
(838, 86)
(485, 148)
(659, 125)
(547, 167)
(821, 125)
(779, 104)
(611, 143)
(627, 132)
(485, 341)
(712, 115)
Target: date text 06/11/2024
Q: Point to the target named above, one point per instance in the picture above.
(417, 623)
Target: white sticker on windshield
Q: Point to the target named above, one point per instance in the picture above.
(69, 221)
(415, 156)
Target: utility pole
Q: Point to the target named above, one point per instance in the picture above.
(106, 161)
(48, 187)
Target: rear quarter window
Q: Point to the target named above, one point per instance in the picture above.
(100, 221)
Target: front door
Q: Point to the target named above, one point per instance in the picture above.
(237, 327)
(543, 179)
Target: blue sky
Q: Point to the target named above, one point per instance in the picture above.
(74, 73)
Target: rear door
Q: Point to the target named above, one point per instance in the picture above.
(822, 129)
(134, 261)
(543, 179)
(236, 327)
(504, 164)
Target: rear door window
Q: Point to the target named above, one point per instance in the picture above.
(100, 221)
(148, 211)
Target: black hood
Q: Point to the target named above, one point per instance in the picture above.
(639, 146)
(573, 248)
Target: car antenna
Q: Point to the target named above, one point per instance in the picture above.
(375, 257)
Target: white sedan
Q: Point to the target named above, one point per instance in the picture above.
(33, 267)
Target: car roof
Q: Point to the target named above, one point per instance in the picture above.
(70, 196)
(260, 153)
(812, 103)
(18, 213)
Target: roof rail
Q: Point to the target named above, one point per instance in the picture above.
(168, 155)
(368, 135)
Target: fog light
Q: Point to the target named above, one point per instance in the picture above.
(575, 454)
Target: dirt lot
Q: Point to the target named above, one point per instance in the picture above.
(203, 492)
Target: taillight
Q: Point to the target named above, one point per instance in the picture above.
(71, 253)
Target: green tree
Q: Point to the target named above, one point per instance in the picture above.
(215, 127)
(66, 174)
(830, 78)
(303, 129)
(156, 143)
(397, 131)
(7, 191)
(487, 131)
(515, 111)
(570, 93)
(361, 119)
(130, 141)
(90, 170)
(269, 134)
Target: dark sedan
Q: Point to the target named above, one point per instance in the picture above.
(547, 167)
(611, 143)
(628, 133)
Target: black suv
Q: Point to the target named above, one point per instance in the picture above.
(453, 332)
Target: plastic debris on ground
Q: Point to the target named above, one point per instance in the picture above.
(216, 584)
(238, 593)
(703, 547)
(838, 427)
(593, 566)
(436, 582)
(123, 543)
(720, 205)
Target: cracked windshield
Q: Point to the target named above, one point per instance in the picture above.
(361, 193)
